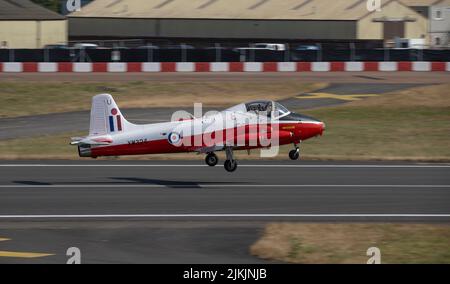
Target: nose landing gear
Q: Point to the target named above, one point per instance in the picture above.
(294, 154)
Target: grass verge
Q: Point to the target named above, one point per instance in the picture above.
(409, 125)
(348, 242)
(33, 98)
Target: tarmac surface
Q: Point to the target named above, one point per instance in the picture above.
(186, 212)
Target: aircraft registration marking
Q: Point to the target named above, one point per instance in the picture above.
(137, 141)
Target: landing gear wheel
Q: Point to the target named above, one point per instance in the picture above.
(211, 159)
(294, 154)
(230, 165)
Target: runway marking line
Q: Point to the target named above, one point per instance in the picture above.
(23, 254)
(18, 254)
(102, 216)
(225, 185)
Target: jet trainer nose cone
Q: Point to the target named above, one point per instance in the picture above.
(323, 127)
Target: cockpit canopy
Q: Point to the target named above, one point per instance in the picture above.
(270, 109)
(263, 107)
(267, 108)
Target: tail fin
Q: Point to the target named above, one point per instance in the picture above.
(106, 117)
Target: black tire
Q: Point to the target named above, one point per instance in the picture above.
(230, 166)
(211, 159)
(294, 154)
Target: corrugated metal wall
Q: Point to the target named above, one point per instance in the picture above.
(211, 28)
(32, 34)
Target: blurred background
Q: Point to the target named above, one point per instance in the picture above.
(385, 151)
(223, 31)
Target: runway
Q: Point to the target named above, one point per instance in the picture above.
(268, 189)
(185, 212)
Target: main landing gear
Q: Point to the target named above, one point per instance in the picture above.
(294, 154)
(230, 164)
(211, 159)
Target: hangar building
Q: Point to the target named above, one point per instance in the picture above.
(24, 24)
(246, 19)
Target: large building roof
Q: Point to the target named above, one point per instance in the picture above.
(423, 2)
(228, 9)
(25, 10)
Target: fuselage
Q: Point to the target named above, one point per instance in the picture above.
(210, 133)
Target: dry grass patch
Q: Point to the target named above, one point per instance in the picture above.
(348, 243)
(32, 98)
(427, 96)
(409, 125)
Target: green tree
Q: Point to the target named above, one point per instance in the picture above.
(49, 4)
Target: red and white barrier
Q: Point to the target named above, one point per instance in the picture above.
(121, 67)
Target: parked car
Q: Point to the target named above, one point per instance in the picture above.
(263, 46)
(148, 46)
(307, 47)
(56, 46)
(179, 46)
(270, 46)
(85, 46)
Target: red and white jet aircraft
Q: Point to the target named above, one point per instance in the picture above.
(258, 124)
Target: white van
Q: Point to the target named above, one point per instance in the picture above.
(270, 46)
(264, 46)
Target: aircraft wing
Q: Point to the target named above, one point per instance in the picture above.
(245, 139)
(210, 149)
(258, 137)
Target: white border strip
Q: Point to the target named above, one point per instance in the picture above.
(219, 67)
(388, 66)
(286, 66)
(354, 66)
(320, 66)
(151, 67)
(421, 66)
(12, 67)
(101, 216)
(116, 67)
(47, 67)
(82, 67)
(185, 67)
(253, 66)
(189, 185)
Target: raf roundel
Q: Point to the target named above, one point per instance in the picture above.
(114, 111)
(174, 138)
